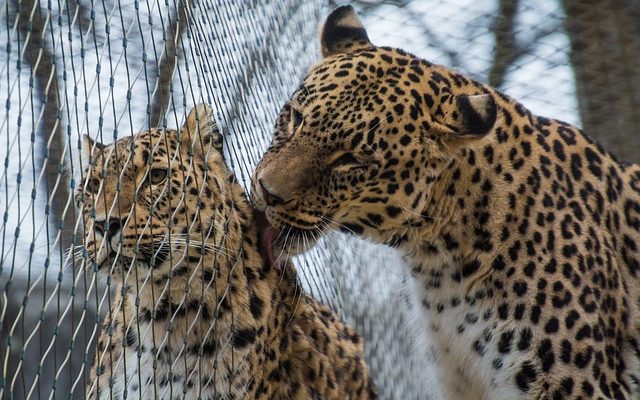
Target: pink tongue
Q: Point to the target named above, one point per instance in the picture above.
(268, 236)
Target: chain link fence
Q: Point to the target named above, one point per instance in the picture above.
(111, 69)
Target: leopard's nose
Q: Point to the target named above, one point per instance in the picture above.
(108, 228)
(283, 177)
(269, 195)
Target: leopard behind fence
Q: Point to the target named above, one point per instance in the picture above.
(199, 311)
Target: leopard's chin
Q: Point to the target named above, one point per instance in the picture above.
(103, 260)
(292, 241)
(115, 266)
(150, 257)
(285, 241)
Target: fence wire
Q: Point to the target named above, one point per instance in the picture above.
(110, 69)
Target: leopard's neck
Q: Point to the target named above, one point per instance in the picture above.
(469, 210)
(482, 210)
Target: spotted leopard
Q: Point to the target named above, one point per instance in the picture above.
(200, 313)
(522, 233)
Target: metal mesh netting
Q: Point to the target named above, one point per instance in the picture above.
(111, 69)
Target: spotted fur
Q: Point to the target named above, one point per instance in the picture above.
(198, 312)
(521, 232)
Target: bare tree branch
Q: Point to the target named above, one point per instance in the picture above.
(41, 60)
(167, 66)
(507, 48)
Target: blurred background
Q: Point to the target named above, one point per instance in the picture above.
(112, 68)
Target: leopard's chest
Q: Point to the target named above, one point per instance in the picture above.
(180, 371)
(464, 337)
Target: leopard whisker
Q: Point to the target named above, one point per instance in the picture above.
(284, 249)
(207, 246)
(283, 252)
(338, 224)
(297, 294)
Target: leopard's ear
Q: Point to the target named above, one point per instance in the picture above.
(200, 129)
(467, 117)
(343, 33)
(90, 149)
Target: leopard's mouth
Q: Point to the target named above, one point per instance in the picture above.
(283, 242)
(267, 235)
(106, 261)
(113, 264)
(151, 255)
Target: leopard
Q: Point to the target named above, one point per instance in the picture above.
(199, 312)
(520, 234)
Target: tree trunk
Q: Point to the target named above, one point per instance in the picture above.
(605, 54)
(506, 50)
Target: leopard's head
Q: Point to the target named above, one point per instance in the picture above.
(360, 144)
(156, 200)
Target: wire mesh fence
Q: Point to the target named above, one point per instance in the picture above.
(110, 69)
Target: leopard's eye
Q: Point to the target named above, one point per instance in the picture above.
(92, 185)
(345, 159)
(346, 162)
(296, 119)
(157, 175)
